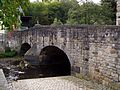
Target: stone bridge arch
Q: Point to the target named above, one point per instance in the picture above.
(56, 60)
(51, 60)
(24, 48)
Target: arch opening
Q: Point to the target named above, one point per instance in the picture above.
(54, 62)
(24, 48)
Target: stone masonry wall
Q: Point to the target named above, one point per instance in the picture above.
(93, 51)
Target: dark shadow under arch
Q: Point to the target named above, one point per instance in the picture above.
(54, 61)
(24, 48)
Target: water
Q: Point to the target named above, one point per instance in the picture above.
(14, 72)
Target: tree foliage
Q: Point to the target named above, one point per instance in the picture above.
(57, 22)
(48, 10)
(71, 12)
(9, 12)
(109, 10)
(39, 12)
(91, 13)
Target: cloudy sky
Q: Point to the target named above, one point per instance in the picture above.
(96, 1)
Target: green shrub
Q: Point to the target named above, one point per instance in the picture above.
(8, 53)
(7, 49)
(2, 55)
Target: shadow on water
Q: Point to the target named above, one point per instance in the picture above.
(43, 71)
(52, 62)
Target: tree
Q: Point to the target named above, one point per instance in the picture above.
(91, 13)
(60, 10)
(56, 10)
(109, 10)
(46, 12)
(87, 13)
(10, 12)
(73, 16)
(70, 12)
(57, 22)
(39, 12)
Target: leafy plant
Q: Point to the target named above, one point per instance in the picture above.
(8, 53)
(57, 22)
(10, 12)
(7, 49)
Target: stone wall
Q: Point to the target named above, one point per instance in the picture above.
(118, 13)
(93, 51)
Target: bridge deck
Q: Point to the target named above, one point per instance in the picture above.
(3, 81)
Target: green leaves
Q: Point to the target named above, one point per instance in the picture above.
(9, 12)
(46, 12)
(91, 13)
(57, 22)
(1, 3)
(109, 10)
(70, 12)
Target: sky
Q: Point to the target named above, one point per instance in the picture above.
(95, 1)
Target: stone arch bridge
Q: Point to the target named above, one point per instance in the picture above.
(93, 51)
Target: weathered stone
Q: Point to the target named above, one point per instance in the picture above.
(115, 77)
(2, 49)
(118, 13)
(93, 49)
(119, 78)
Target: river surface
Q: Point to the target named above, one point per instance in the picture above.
(14, 72)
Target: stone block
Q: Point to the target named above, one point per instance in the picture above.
(76, 69)
(2, 49)
(119, 78)
(118, 66)
(113, 51)
(115, 76)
